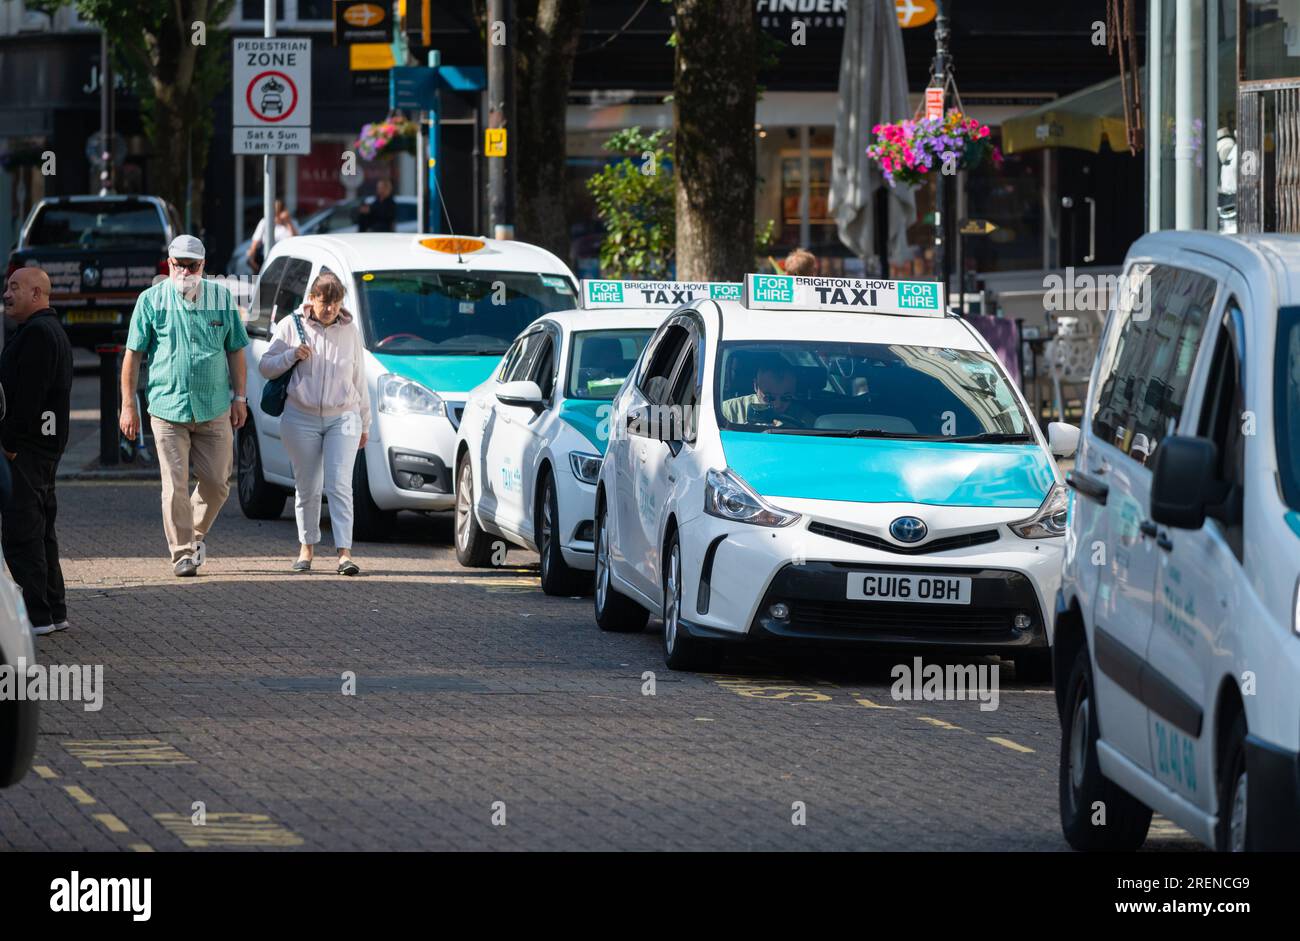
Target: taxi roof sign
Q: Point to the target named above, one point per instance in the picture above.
(666, 294)
(845, 295)
(452, 245)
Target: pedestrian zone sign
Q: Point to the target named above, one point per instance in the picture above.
(849, 295)
(665, 294)
(271, 95)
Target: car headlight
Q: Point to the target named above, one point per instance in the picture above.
(400, 396)
(730, 498)
(586, 467)
(1049, 519)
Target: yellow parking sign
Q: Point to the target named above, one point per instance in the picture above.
(494, 141)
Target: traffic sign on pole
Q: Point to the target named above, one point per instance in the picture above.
(272, 96)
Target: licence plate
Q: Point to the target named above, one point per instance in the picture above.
(92, 316)
(908, 587)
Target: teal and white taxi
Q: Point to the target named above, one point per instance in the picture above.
(828, 461)
(435, 314)
(533, 436)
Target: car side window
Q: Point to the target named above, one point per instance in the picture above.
(292, 289)
(685, 395)
(1147, 362)
(512, 356)
(1223, 420)
(661, 361)
(259, 323)
(543, 371)
(521, 368)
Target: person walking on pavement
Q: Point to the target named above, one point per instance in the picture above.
(191, 331)
(36, 375)
(285, 228)
(379, 214)
(326, 416)
(800, 262)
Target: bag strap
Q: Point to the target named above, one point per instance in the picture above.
(297, 322)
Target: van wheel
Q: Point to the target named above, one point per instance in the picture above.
(473, 548)
(1233, 832)
(258, 498)
(614, 611)
(558, 578)
(1033, 666)
(681, 652)
(1082, 785)
(369, 522)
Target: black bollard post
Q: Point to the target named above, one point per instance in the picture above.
(109, 400)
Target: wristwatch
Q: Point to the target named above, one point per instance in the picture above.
(242, 398)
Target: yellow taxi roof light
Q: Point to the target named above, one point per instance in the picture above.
(452, 245)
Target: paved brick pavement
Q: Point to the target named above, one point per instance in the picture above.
(474, 688)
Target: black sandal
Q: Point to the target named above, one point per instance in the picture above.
(348, 567)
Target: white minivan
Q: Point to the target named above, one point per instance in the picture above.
(1177, 657)
(18, 716)
(435, 313)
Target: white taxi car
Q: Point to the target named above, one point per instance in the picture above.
(18, 716)
(831, 461)
(533, 436)
(435, 313)
(1178, 620)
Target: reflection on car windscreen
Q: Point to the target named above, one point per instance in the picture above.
(107, 225)
(866, 390)
(601, 360)
(454, 312)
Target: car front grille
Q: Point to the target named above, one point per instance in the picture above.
(875, 542)
(888, 618)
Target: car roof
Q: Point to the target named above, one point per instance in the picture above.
(1271, 255)
(385, 251)
(742, 323)
(618, 318)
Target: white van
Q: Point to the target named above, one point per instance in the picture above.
(1177, 657)
(435, 314)
(18, 716)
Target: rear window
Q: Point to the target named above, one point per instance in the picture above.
(112, 224)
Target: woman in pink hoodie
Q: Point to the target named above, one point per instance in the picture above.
(326, 416)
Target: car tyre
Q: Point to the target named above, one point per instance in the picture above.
(1033, 666)
(614, 611)
(1082, 784)
(258, 498)
(558, 577)
(369, 522)
(1233, 833)
(473, 546)
(680, 651)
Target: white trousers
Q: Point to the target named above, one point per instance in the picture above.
(323, 452)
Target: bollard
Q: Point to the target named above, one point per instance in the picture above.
(109, 400)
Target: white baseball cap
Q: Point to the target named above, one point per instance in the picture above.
(185, 246)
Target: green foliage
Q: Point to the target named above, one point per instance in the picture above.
(635, 202)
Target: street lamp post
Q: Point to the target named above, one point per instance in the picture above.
(940, 76)
(500, 82)
(268, 161)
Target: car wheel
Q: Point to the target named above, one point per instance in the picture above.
(1084, 792)
(558, 578)
(1233, 831)
(614, 611)
(473, 547)
(1033, 666)
(369, 522)
(259, 499)
(680, 651)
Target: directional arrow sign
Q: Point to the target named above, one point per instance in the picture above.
(978, 227)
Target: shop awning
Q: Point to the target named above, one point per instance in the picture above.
(1081, 120)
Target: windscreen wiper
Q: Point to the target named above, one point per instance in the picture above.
(994, 437)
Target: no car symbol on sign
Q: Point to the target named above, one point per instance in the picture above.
(271, 96)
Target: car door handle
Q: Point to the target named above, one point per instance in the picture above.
(672, 478)
(1148, 528)
(1088, 486)
(1164, 542)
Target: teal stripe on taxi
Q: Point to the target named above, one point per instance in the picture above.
(441, 373)
(877, 470)
(1293, 520)
(590, 418)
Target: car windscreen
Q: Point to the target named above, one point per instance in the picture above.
(1287, 404)
(868, 390)
(112, 224)
(426, 312)
(601, 359)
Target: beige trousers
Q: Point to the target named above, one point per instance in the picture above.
(208, 449)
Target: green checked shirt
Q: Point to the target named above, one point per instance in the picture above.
(187, 343)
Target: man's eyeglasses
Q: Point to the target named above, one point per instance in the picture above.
(187, 264)
(783, 397)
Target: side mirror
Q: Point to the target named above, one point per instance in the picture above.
(524, 394)
(1062, 439)
(1182, 482)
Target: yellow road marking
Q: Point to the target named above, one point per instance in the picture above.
(755, 687)
(229, 829)
(940, 724)
(78, 795)
(134, 751)
(1007, 743)
(44, 772)
(864, 701)
(112, 823)
(141, 848)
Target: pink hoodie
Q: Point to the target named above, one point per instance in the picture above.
(332, 380)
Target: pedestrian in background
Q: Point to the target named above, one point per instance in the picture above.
(800, 262)
(379, 214)
(326, 416)
(191, 331)
(285, 228)
(36, 375)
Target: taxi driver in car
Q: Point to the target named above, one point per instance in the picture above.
(772, 401)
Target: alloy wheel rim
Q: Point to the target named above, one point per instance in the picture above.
(672, 600)
(602, 564)
(246, 482)
(1237, 823)
(1079, 744)
(546, 531)
(462, 507)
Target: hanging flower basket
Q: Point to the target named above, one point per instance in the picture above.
(387, 137)
(911, 152)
